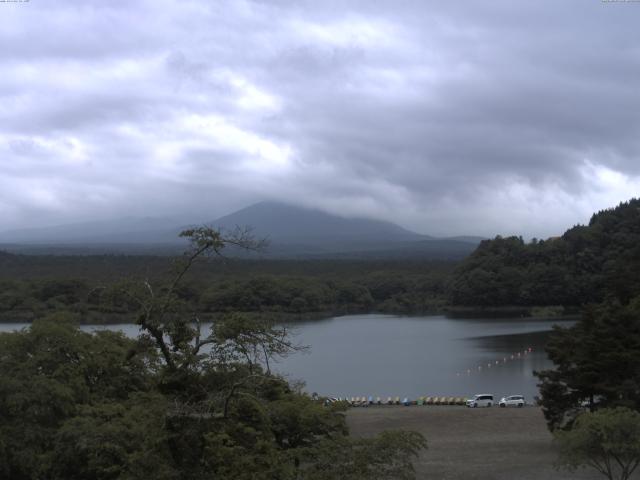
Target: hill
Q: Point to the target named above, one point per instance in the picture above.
(584, 265)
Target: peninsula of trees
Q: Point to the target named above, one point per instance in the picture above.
(585, 265)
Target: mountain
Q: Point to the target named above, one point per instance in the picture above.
(127, 230)
(302, 232)
(289, 224)
(292, 231)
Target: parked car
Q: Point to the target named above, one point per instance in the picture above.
(512, 401)
(480, 400)
(586, 403)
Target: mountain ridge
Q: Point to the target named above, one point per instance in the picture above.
(281, 221)
(293, 231)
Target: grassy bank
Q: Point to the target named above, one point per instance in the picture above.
(464, 443)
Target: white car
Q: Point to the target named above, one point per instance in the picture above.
(512, 401)
(480, 400)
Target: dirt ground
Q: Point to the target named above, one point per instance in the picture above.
(472, 444)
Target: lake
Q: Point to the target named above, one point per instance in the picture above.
(388, 355)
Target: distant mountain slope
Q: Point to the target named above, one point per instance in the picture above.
(293, 232)
(308, 233)
(290, 224)
(128, 230)
(467, 238)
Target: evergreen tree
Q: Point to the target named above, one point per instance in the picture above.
(597, 363)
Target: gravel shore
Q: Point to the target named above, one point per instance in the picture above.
(472, 444)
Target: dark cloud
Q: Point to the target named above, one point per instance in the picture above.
(448, 117)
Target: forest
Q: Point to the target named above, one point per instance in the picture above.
(31, 286)
(585, 265)
(582, 266)
(175, 405)
(172, 404)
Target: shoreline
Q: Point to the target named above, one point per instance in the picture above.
(107, 318)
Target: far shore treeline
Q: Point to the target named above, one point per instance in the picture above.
(539, 277)
(31, 286)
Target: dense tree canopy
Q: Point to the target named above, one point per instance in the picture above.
(597, 362)
(582, 266)
(294, 288)
(176, 403)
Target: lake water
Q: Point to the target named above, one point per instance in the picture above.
(387, 355)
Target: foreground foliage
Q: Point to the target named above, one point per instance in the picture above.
(597, 363)
(607, 441)
(177, 402)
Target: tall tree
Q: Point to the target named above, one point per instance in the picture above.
(597, 363)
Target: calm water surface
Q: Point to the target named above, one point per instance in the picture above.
(411, 356)
(387, 355)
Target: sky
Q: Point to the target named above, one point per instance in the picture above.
(446, 117)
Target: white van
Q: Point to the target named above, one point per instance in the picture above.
(480, 400)
(512, 401)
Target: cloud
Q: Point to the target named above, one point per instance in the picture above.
(447, 117)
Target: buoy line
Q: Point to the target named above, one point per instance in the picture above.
(497, 363)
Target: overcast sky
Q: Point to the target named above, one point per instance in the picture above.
(447, 117)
